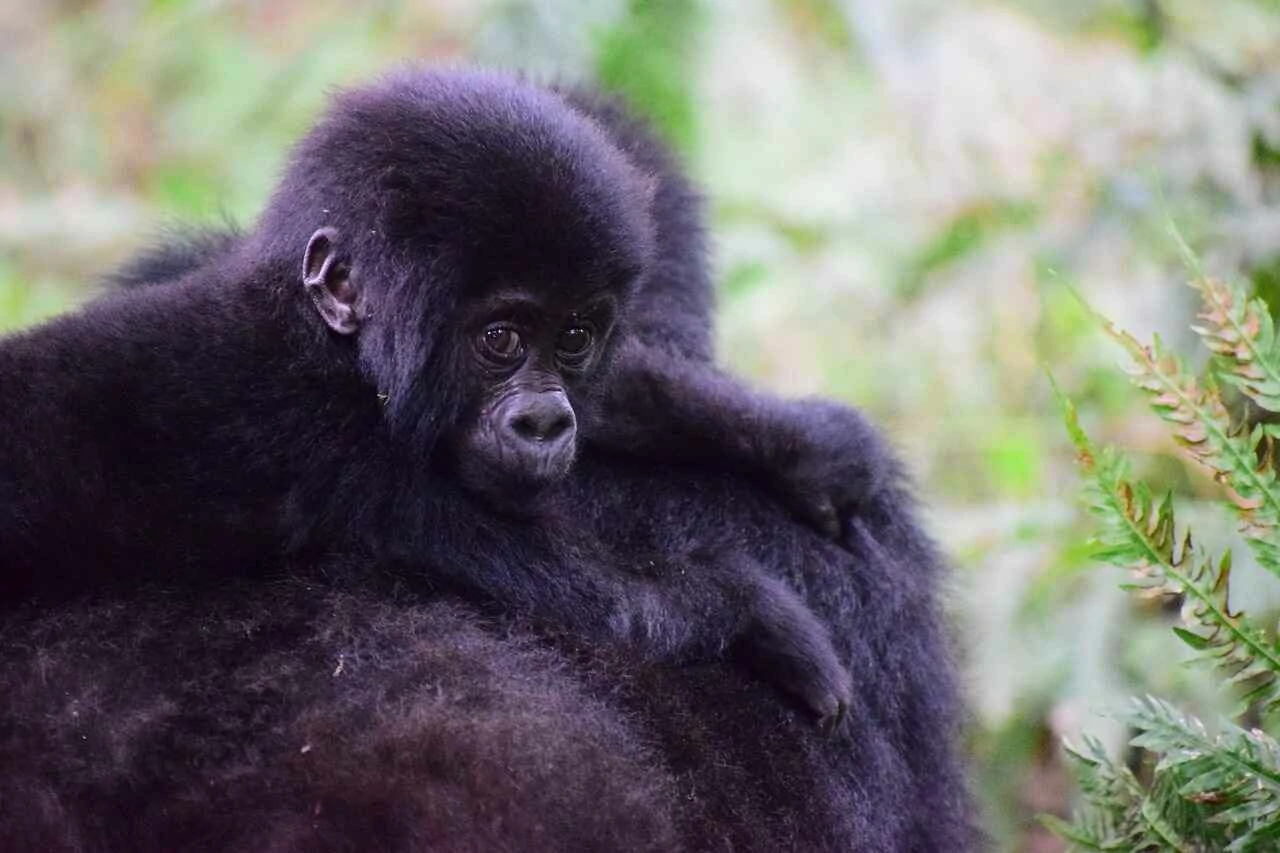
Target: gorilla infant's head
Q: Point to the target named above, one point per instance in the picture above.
(480, 240)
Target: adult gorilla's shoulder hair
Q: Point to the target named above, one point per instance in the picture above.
(173, 253)
(291, 717)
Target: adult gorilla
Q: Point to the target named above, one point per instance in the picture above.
(294, 716)
(291, 716)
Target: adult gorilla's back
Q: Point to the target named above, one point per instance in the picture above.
(296, 716)
(293, 717)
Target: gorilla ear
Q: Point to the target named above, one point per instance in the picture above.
(327, 277)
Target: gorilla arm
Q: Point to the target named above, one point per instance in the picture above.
(821, 459)
(665, 601)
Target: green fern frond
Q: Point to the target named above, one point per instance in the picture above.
(1233, 776)
(1241, 462)
(1241, 333)
(1109, 816)
(1238, 330)
(1138, 531)
(1177, 822)
(1082, 833)
(1117, 813)
(1206, 792)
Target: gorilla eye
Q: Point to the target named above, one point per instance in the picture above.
(502, 342)
(574, 341)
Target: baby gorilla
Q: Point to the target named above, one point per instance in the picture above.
(402, 354)
(528, 346)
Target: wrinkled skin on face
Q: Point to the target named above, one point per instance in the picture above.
(532, 362)
(535, 361)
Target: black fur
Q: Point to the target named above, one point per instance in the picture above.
(161, 722)
(212, 427)
(176, 252)
(216, 425)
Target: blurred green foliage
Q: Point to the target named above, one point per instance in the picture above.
(904, 195)
(647, 56)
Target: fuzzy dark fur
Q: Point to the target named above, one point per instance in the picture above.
(211, 428)
(215, 425)
(177, 722)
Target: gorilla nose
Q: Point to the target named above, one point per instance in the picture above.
(544, 417)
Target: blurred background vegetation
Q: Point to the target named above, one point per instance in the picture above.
(905, 195)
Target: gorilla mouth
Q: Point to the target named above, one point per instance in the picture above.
(534, 464)
(511, 474)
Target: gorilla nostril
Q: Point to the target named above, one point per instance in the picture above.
(543, 420)
(524, 426)
(559, 426)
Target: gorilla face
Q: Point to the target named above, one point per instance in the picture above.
(534, 361)
(481, 258)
